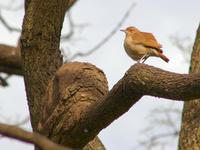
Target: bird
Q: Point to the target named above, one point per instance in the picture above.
(141, 45)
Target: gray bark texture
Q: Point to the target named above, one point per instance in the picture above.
(189, 138)
(70, 103)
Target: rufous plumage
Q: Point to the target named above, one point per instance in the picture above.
(141, 45)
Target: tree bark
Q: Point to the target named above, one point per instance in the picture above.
(41, 55)
(70, 104)
(189, 137)
(75, 88)
(85, 108)
(10, 59)
(40, 50)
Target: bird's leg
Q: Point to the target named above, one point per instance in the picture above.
(138, 61)
(144, 57)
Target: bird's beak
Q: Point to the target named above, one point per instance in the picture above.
(123, 30)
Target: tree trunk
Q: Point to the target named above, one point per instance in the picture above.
(41, 58)
(70, 103)
(189, 138)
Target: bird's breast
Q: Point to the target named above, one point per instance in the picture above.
(135, 51)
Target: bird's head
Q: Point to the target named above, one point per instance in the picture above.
(130, 30)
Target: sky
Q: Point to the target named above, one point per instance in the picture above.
(162, 18)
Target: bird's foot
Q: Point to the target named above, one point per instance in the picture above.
(138, 61)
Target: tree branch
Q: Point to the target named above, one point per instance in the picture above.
(3, 81)
(164, 117)
(69, 96)
(138, 81)
(11, 29)
(28, 137)
(71, 28)
(10, 59)
(10, 56)
(155, 140)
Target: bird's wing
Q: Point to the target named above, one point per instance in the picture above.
(147, 39)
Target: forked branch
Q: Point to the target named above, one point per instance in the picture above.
(138, 81)
(29, 137)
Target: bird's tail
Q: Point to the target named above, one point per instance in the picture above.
(163, 57)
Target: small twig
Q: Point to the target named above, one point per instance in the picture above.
(71, 26)
(18, 124)
(184, 44)
(170, 121)
(11, 29)
(102, 42)
(71, 3)
(180, 41)
(155, 139)
(163, 135)
(29, 137)
(22, 122)
(3, 81)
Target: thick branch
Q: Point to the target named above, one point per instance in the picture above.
(10, 60)
(139, 80)
(75, 87)
(29, 137)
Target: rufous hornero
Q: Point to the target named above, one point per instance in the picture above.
(141, 45)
